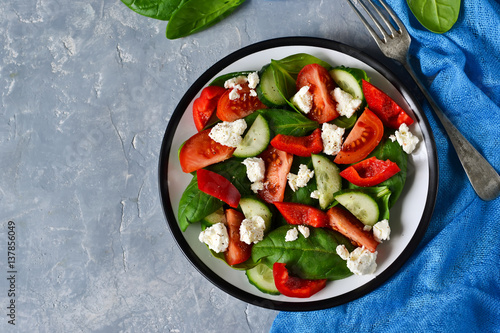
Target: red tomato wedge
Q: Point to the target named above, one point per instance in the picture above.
(205, 105)
(363, 138)
(370, 172)
(391, 114)
(278, 164)
(299, 145)
(237, 251)
(200, 151)
(293, 286)
(217, 186)
(231, 110)
(297, 213)
(320, 85)
(343, 221)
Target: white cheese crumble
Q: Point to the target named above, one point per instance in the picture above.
(342, 252)
(256, 169)
(253, 80)
(235, 81)
(304, 231)
(315, 194)
(346, 103)
(303, 99)
(382, 231)
(331, 135)
(367, 228)
(291, 235)
(228, 133)
(406, 139)
(253, 93)
(252, 229)
(360, 261)
(301, 179)
(216, 237)
(234, 95)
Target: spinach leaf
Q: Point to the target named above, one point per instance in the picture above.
(234, 171)
(195, 205)
(284, 81)
(435, 15)
(345, 122)
(294, 63)
(303, 194)
(195, 15)
(314, 257)
(286, 122)
(157, 9)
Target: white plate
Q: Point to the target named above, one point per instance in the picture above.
(409, 217)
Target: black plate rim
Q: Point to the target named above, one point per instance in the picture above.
(313, 305)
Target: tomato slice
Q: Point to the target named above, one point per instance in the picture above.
(292, 286)
(320, 85)
(370, 172)
(217, 186)
(363, 138)
(343, 221)
(237, 251)
(231, 110)
(205, 105)
(391, 114)
(200, 151)
(297, 213)
(299, 145)
(278, 164)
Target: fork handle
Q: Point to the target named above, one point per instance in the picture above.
(483, 177)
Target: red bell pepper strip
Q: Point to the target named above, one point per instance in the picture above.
(299, 145)
(297, 213)
(205, 105)
(217, 186)
(343, 221)
(293, 286)
(370, 172)
(391, 114)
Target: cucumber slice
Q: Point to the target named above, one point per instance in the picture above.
(328, 179)
(361, 205)
(252, 207)
(349, 80)
(267, 91)
(215, 217)
(256, 140)
(262, 278)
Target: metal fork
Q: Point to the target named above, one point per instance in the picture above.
(483, 177)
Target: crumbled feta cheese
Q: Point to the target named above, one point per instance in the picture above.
(406, 139)
(342, 252)
(304, 230)
(291, 235)
(381, 231)
(234, 95)
(346, 103)
(228, 133)
(361, 261)
(301, 179)
(235, 81)
(315, 194)
(252, 229)
(392, 137)
(216, 237)
(253, 80)
(256, 169)
(367, 228)
(332, 138)
(303, 99)
(253, 93)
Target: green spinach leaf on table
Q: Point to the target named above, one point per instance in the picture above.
(314, 257)
(438, 16)
(157, 9)
(195, 15)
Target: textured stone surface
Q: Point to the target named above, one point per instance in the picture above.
(87, 89)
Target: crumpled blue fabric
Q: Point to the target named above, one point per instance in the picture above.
(451, 283)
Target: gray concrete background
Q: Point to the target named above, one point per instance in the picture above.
(87, 89)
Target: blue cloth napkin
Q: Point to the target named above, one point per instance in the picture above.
(451, 283)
